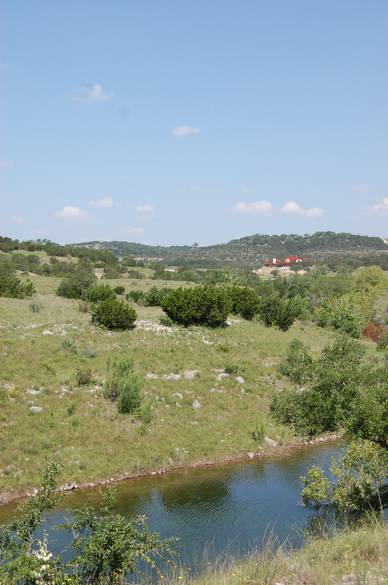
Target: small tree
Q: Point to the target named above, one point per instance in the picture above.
(245, 301)
(281, 312)
(204, 305)
(114, 314)
(75, 285)
(99, 292)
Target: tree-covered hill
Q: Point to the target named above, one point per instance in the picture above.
(252, 250)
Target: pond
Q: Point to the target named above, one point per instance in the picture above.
(215, 511)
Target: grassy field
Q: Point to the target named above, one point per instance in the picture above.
(351, 558)
(40, 355)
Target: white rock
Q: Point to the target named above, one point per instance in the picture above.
(196, 404)
(151, 376)
(32, 391)
(172, 377)
(222, 376)
(36, 408)
(178, 395)
(190, 374)
(270, 442)
(251, 455)
(240, 380)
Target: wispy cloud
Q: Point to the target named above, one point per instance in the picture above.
(135, 231)
(294, 208)
(92, 93)
(254, 207)
(146, 209)
(104, 202)
(381, 207)
(72, 213)
(184, 131)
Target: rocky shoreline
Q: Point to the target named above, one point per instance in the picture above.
(273, 450)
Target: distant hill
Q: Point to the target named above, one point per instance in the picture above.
(251, 250)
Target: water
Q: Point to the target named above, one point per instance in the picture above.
(215, 511)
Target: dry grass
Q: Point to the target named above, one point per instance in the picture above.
(351, 558)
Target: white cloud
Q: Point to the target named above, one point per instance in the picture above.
(381, 207)
(71, 212)
(146, 209)
(294, 208)
(17, 219)
(184, 131)
(104, 202)
(92, 93)
(136, 231)
(254, 207)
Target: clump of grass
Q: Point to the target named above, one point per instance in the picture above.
(90, 353)
(258, 433)
(71, 409)
(70, 346)
(223, 348)
(231, 369)
(83, 376)
(35, 307)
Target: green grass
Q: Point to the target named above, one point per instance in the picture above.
(353, 558)
(83, 431)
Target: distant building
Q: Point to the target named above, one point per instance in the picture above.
(279, 263)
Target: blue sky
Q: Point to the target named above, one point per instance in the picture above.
(179, 121)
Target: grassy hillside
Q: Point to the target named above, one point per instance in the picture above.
(41, 353)
(252, 250)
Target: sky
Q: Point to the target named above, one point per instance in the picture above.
(177, 122)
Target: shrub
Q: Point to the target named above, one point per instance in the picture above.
(298, 366)
(119, 290)
(382, 343)
(166, 321)
(123, 385)
(129, 398)
(204, 305)
(11, 286)
(137, 296)
(245, 301)
(75, 285)
(359, 479)
(231, 369)
(99, 293)
(114, 314)
(35, 307)
(280, 311)
(154, 297)
(83, 376)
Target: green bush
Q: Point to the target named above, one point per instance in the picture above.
(245, 301)
(154, 297)
(204, 305)
(114, 314)
(123, 385)
(298, 366)
(99, 293)
(137, 296)
(11, 286)
(75, 285)
(281, 312)
(119, 290)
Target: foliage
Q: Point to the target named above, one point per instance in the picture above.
(245, 301)
(359, 478)
(83, 376)
(99, 293)
(204, 305)
(106, 546)
(335, 380)
(119, 290)
(281, 312)
(299, 363)
(75, 285)
(12, 286)
(231, 369)
(114, 314)
(123, 385)
(348, 314)
(137, 296)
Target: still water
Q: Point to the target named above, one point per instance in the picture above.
(216, 511)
